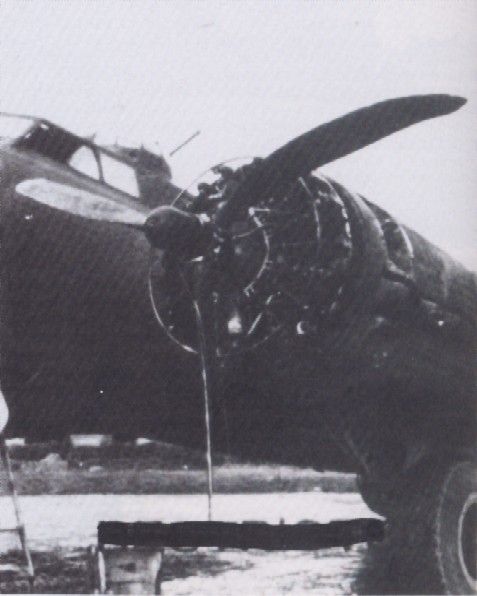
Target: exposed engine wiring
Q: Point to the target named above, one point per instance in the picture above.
(202, 352)
(155, 310)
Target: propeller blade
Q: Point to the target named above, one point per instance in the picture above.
(80, 202)
(356, 130)
(333, 140)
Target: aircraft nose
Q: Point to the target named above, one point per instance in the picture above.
(171, 229)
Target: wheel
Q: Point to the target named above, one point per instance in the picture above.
(431, 546)
(456, 530)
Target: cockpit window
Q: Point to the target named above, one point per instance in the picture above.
(119, 174)
(13, 127)
(84, 160)
(50, 141)
(63, 147)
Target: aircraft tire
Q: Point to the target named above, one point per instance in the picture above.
(431, 545)
(455, 529)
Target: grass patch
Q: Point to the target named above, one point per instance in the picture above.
(228, 479)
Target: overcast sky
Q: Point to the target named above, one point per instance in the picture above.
(251, 75)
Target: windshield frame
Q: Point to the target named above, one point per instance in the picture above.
(115, 158)
(35, 123)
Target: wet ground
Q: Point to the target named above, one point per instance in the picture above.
(207, 572)
(61, 527)
(71, 520)
(69, 523)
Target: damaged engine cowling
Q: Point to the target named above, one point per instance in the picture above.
(283, 265)
(366, 312)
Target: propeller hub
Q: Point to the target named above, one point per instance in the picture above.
(184, 234)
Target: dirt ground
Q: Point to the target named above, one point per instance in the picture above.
(67, 572)
(362, 570)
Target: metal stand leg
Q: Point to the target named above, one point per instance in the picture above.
(20, 527)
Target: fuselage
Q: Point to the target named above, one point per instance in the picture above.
(82, 351)
(81, 348)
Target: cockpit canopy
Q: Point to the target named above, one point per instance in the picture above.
(120, 168)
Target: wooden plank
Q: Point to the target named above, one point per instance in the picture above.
(309, 536)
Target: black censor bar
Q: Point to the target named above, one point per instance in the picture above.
(247, 535)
